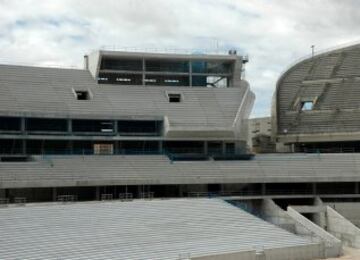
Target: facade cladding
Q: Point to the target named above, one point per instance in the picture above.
(316, 106)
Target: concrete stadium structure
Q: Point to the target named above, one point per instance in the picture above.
(146, 125)
(316, 103)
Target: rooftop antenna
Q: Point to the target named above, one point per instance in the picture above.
(312, 50)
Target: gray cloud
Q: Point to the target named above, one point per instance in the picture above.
(273, 32)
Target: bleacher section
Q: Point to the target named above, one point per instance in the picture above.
(28, 90)
(331, 81)
(63, 171)
(158, 229)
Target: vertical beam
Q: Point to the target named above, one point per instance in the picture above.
(69, 126)
(116, 127)
(143, 71)
(22, 125)
(356, 188)
(263, 189)
(190, 73)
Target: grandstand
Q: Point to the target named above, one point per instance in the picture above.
(157, 229)
(316, 103)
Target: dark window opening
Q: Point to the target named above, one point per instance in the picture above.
(10, 146)
(47, 147)
(230, 148)
(187, 147)
(139, 127)
(121, 64)
(214, 148)
(92, 126)
(45, 124)
(307, 105)
(16, 158)
(138, 147)
(174, 98)
(211, 67)
(10, 123)
(82, 95)
(169, 66)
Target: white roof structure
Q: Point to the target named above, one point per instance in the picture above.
(71, 170)
(158, 229)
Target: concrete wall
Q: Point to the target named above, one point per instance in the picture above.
(342, 228)
(319, 218)
(349, 210)
(244, 255)
(306, 252)
(303, 226)
(275, 215)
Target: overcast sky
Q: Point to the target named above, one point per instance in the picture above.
(274, 33)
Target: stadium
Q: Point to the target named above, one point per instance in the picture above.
(144, 156)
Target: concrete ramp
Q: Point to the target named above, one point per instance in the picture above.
(342, 228)
(332, 245)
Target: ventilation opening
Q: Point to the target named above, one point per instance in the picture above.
(174, 98)
(14, 158)
(307, 105)
(82, 95)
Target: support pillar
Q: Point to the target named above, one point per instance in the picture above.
(69, 126)
(356, 188)
(190, 73)
(263, 189)
(143, 71)
(22, 125)
(205, 147)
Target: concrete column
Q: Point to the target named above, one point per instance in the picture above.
(22, 125)
(97, 193)
(115, 127)
(54, 194)
(143, 71)
(263, 189)
(206, 147)
(69, 126)
(356, 188)
(190, 73)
